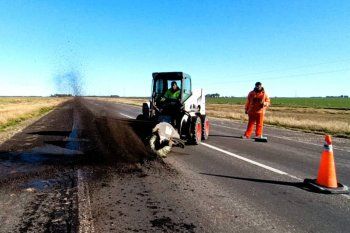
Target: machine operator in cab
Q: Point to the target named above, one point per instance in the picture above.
(173, 92)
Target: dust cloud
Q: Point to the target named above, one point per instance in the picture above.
(69, 82)
(114, 140)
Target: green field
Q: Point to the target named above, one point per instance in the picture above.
(328, 103)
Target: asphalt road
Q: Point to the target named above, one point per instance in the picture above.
(83, 168)
(250, 186)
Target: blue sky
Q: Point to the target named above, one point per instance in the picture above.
(295, 48)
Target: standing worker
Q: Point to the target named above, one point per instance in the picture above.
(257, 102)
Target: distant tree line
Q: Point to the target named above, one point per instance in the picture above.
(216, 95)
(61, 95)
(341, 96)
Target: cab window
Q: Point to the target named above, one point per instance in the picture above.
(159, 87)
(187, 89)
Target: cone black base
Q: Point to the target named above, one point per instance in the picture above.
(311, 183)
(262, 139)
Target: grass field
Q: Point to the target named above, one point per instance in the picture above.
(18, 109)
(294, 113)
(319, 103)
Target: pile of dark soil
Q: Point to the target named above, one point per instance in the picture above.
(114, 141)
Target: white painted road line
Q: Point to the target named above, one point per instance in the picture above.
(84, 205)
(127, 116)
(245, 159)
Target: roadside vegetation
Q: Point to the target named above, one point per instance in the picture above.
(334, 122)
(14, 110)
(317, 102)
(319, 115)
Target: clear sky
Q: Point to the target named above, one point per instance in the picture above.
(295, 48)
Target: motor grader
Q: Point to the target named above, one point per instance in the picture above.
(180, 121)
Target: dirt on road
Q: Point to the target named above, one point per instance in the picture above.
(74, 170)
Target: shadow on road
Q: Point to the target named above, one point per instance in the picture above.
(300, 185)
(294, 184)
(225, 136)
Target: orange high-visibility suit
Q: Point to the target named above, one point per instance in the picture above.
(255, 107)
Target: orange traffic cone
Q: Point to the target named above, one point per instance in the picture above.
(326, 172)
(326, 181)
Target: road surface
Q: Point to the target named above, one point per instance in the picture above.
(226, 184)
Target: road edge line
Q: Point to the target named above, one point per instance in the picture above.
(86, 224)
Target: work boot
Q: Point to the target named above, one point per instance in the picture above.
(244, 137)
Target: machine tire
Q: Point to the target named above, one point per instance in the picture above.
(140, 117)
(155, 147)
(145, 111)
(205, 127)
(196, 130)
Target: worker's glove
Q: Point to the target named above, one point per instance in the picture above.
(162, 99)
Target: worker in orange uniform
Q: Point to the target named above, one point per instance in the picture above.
(257, 102)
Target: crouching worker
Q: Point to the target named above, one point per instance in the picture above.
(255, 107)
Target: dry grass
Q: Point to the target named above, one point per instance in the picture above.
(16, 110)
(335, 122)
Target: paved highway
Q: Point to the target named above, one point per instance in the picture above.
(251, 186)
(75, 171)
